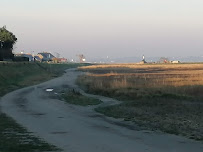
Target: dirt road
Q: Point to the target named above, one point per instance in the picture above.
(80, 129)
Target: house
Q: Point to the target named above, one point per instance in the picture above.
(37, 58)
(60, 60)
(175, 61)
(25, 55)
(45, 56)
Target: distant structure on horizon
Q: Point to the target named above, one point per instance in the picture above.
(175, 62)
(81, 58)
(23, 57)
(45, 56)
(60, 60)
(143, 60)
(40, 57)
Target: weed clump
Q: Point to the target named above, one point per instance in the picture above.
(75, 97)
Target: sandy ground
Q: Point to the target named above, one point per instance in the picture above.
(80, 129)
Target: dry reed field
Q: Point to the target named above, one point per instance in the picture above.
(165, 97)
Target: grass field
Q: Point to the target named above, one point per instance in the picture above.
(13, 76)
(165, 97)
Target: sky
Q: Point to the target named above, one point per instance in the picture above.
(100, 28)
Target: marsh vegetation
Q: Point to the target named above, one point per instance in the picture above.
(166, 97)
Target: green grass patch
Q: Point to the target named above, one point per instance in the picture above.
(174, 116)
(75, 97)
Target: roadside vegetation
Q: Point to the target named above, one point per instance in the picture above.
(13, 76)
(166, 97)
(75, 97)
(17, 75)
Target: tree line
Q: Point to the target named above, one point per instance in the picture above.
(7, 41)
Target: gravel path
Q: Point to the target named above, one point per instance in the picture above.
(80, 129)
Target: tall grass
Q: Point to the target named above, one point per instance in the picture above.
(184, 79)
(165, 97)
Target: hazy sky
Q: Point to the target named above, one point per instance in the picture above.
(106, 27)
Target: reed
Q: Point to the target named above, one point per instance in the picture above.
(165, 97)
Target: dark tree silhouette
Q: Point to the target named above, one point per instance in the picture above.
(7, 41)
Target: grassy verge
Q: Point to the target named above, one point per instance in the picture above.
(157, 97)
(174, 116)
(74, 97)
(18, 75)
(13, 76)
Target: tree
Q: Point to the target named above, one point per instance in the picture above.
(7, 41)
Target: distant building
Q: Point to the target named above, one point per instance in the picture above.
(143, 60)
(59, 60)
(25, 55)
(164, 60)
(45, 56)
(175, 61)
(37, 58)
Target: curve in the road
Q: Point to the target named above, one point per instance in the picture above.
(81, 129)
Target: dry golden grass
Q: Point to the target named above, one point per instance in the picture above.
(164, 96)
(140, 66)
(144, 76)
